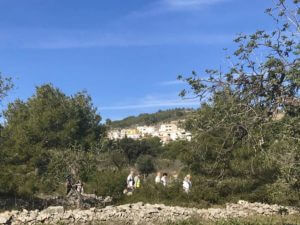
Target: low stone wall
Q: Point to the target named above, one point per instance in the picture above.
(139, 213)
(73, 200)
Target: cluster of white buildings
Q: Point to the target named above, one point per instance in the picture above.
(166, 132)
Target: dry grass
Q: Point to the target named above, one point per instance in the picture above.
(258, 220)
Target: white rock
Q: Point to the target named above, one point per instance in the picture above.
(54, 210)
(5, 217)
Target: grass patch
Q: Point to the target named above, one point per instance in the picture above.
(258, 220)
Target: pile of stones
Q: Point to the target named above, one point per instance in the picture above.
(86, 201)
(73, 200)
(139, 213)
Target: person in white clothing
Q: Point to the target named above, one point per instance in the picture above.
(130, 181)
(157, 178)
(187, 184)
(79, 187)
(164, 179)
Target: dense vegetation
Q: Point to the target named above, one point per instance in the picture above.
(38, 132)
(151, 118)
(245, 145)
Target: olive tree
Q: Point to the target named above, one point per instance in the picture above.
(251, 106)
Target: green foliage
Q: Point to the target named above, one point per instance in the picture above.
(108, 183)
(145, 164)
(176, 149)
(5, 85)
(151, 119)
(247, 127)
(36, 134)
(132, 149)
(50, 119)
(118, 159)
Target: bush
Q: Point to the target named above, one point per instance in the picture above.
(145, 164)
(276, 193)
(235, 186)
(108, 183)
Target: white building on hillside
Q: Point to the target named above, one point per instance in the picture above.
(145, 130)
(114, 134)
(169, 127)
(166, 132)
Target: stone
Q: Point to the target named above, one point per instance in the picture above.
(242, 202)
(5, 218)
(137, 213)
(54, 210)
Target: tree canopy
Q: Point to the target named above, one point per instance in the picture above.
(51, 119)
(249, 122)
(36, 134)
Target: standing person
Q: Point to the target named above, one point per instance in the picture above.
(157, 178)
(68, 184)
(79, 187)
(164, 179)
(187, 184)
(137, 181)
(130, 180)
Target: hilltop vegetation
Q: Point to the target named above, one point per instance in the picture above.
(151, 118)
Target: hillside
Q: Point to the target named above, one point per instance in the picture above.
(152, 118)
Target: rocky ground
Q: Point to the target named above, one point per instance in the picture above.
(139, 213)
(73, 200)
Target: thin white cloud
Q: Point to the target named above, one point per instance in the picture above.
(65, 39)
(191, 3)
(154, 102)
(171, 82)
(167, 6)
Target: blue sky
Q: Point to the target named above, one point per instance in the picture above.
(125, 54)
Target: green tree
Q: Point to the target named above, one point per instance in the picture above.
(50, 119)
(176, 149)
(108, 122)
(37, 134)
(5, 85)
(145, 164)
(132, 149)
(238, 128)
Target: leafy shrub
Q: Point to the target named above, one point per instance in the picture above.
(107, 183)
(281, 193)
(234, 186)
(145, 164)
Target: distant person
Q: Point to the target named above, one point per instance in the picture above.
(79, 187)
(187, 184)
(164, 179)
(130, 180)
(68, 185)
(158, 178)
(137, 181)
